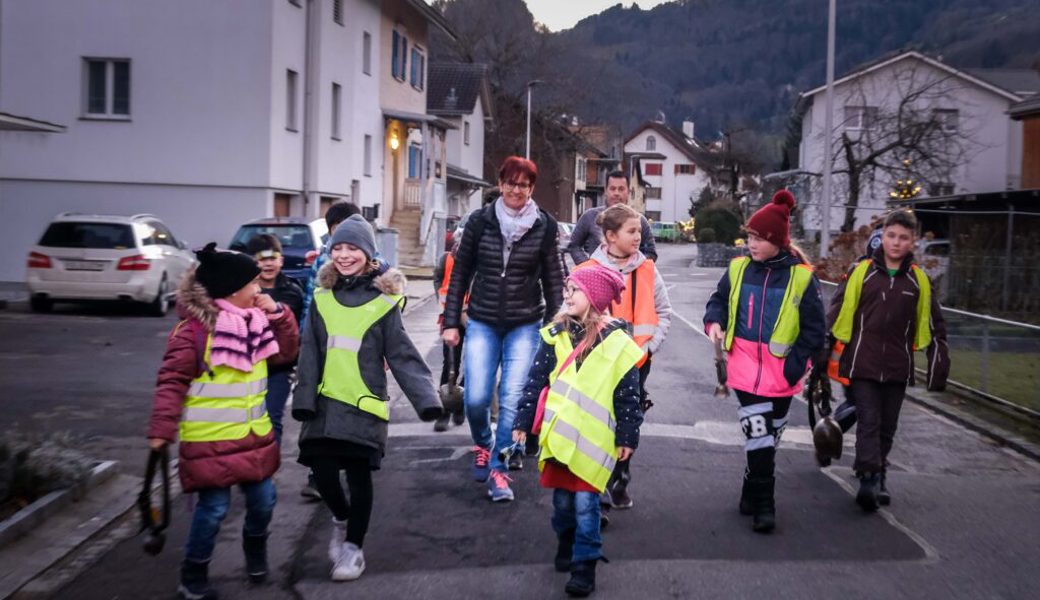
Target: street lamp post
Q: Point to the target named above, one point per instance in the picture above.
(828, 124)
(527, 144)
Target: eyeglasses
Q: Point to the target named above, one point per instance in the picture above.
(569, 290)
(523, 186)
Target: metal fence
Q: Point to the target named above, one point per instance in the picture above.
(996, 359)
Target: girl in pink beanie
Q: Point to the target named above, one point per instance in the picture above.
(585, 378)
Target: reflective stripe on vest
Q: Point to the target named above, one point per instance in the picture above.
(642, 313)
(346, 326)
(578, 423)
(842, 329)
(224, 404)
(785, 330)
(834, 361)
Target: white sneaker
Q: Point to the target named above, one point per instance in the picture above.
(339, 532)
(351, 563)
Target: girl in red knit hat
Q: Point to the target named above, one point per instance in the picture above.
(767, 314)
(583, 394)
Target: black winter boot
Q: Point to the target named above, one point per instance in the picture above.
(583, 578)
(764, 506)
(255, 547)
(564, 551)
(883, 497)
(747, 507)
(194, 583)
(867, 497)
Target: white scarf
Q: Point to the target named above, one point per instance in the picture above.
(515, 223)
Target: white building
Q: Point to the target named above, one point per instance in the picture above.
(972, 106)
(207, 114)
(460, 94)
(673, 166)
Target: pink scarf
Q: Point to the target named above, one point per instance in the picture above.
(242, 337)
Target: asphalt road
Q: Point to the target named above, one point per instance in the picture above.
(962, 524)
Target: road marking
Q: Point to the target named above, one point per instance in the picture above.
(687, 321)
(931, 555)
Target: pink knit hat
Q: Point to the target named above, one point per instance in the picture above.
(600, 285)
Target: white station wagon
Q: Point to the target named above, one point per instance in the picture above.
(104, 257)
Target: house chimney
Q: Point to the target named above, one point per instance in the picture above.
(687, 129)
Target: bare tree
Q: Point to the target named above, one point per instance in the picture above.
(902, 127)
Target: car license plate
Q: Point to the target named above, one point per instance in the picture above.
(84, 265)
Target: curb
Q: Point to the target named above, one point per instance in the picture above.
(980, 426)
(418, 303)
(31, 516)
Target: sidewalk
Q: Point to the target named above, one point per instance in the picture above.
(11, 292)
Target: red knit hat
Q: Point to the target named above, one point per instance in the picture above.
(772, 222)
(600, 285)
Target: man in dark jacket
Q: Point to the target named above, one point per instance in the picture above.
(883, 313)
(267, 251)
(588, 235)
(510, 253)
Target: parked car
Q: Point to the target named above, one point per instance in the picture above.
(566, 231)
(664, 231)
(934, 257)
(105, 257)
(301, 240)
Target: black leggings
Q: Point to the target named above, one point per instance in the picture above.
(358, 511)
(763, 420)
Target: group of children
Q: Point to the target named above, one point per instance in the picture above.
(220, 388)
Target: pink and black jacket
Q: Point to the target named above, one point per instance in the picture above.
(751, 368)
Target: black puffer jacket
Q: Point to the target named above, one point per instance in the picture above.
(505, 295)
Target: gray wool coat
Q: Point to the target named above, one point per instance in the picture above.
(328, 419)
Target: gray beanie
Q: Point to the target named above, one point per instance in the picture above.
(357, 232)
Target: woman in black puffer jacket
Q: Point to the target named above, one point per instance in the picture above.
(509, 261)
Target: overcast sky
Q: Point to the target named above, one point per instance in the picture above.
(564, 14)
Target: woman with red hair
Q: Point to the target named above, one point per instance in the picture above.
(508, 260)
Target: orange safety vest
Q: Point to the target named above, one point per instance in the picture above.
(639, 310)
(442, 292)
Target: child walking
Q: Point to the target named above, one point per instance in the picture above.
(452, 355)
(644, 304)
(587, 364)
(210, 391)
(884, 310)
(767, 313)
(354, 329)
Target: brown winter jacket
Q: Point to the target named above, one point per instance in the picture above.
(211, 464)
(881, 347)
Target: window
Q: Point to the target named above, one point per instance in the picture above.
(336, 95)
(583, 166)
(685, 169)
(465, 132)
(337, 11)
(106, 88)
(399, 58)
(366, 53)
(860, 117)
(418, 68)
(368, 156)
(414, 156)
(290, 99)
(653, 215)
(651, 144)
(653, 193)
(947, 118)
(653, 168)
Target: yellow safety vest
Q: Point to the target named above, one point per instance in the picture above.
(346, 326)
(786, 328)
(842, 329)
(578, 423)
(225, 404)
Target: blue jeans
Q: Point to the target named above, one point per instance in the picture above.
(487, 347)
(578, 511)
(212, 507)
(278, 385)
